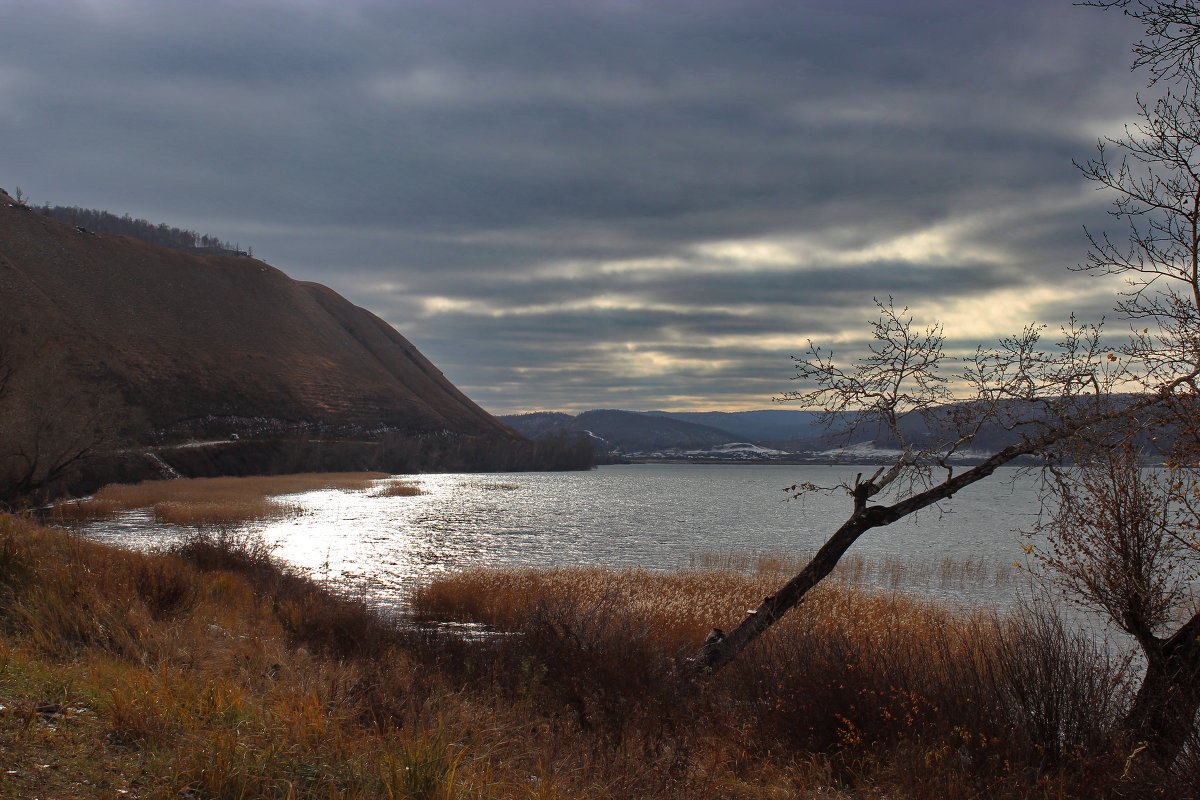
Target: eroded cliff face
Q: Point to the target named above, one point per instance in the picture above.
(183, 337)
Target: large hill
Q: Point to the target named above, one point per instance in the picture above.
(191, 340)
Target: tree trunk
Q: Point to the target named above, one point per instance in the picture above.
(719, 651)
(1164, 711)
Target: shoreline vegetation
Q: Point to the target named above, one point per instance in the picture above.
(282, 455)
(200, 502)
(213, 671)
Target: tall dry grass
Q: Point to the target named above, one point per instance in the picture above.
(214, 671)
(858, 570)
(209, 501)
(866, 682)
(209, 672)
(399, 489)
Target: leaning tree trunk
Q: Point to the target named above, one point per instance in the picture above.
(720, 650)
(1164, 712)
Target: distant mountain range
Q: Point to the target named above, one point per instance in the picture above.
(788, 436)
(775, 425)
(723, 436)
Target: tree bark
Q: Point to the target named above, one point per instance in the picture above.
(1164, 711)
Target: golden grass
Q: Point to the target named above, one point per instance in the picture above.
(209, 501)
(193, 490)
(681, 607)
(67, 512)
(104, 697)
(399, 489)
(865, 572)
(852, 673)
(214, 673)
(216, 512)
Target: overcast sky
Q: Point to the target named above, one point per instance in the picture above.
(572, 204)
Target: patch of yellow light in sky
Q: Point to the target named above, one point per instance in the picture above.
(944, 242)
(761, 252)
(574, 270)
(719, 402)
(604, 302)
(443, 305)
(951, 241)
(644, 265)
(632, 359)
(936, 244)
(954, 241)
(1008, 311)
(1096, 129)
(767, 343)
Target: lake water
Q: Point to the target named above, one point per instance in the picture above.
(656, 516)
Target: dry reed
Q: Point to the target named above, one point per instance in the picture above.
(399, 489)
(67, 512)
(209, 501)
(865, 572)
(220, 512)
(215, 672)
(852, 673)
(681, 606)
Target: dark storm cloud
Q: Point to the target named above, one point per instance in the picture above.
(567, 204)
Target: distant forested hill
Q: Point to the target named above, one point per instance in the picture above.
(763, 427)
(163, 235)
(627, 431)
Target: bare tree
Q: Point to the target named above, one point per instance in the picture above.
(1154, 170)
(1170, 39)
(1122, 541)
(1041, 396)
(51, 425)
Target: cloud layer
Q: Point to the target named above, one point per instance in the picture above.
(614, 203)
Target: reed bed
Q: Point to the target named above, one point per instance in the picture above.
(990, 706)
(67, 512)
(217, 512)
(209, 501)
(682, 607)
(399, 489)
(214, 671)
(862, 571)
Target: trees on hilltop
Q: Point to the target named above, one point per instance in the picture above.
(161, 234)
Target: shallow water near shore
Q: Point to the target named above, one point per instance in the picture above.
(654, 516)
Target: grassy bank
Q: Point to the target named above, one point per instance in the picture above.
(211, 672)
(199, 502)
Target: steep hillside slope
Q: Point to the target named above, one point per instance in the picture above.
(185, 337)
